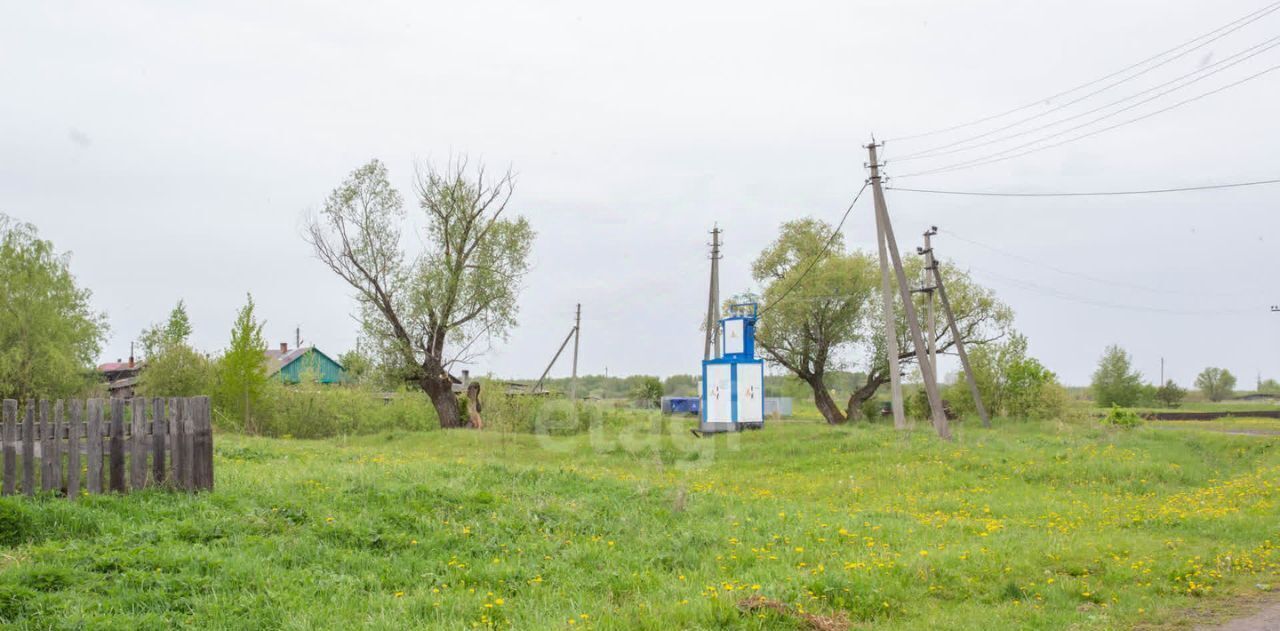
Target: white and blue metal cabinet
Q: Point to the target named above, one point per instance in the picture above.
(733, 384)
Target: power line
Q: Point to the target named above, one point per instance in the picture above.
(1153, 191)
(1204, 71)
(1249, 17)
(1066, 272)
(814, 261)
(1054, 293)
(995, 157)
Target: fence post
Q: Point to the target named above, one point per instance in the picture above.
(138, 444)
(159, 430)
(29, 450)
(73, 449)
(116, 445)
(94, 444)
(10, 447)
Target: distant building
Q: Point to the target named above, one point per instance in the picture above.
(290, 366)
(121, 377)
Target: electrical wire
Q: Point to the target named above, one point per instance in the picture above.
(1251, 16)
(1152, 191)
(814, 261)
(947, 150)
(1066, 272)
(999, 157)
(1054, 293)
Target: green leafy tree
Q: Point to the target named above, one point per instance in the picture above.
(981, 317)
(1115, 382)
(1269, 386)
(442, 308)
(49, 334)
(1011, 383)
(814, 304)
(177, 371)
(357, 366)
(176, 330)
(242, 370)
(173, 368)
(1170, 395)
(1216, 383)
(680, 386)
(647, 392)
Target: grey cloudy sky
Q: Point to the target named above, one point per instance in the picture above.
(174, 148)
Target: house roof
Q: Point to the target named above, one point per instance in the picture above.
(118, 366)
(276, 360)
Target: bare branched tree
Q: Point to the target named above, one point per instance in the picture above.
(443, 307)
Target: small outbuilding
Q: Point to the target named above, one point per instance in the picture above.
(291, 366)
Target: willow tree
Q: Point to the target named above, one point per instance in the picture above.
(430, 311)
(822, 306)
(49, 332)
(816, 299)
(981, 317)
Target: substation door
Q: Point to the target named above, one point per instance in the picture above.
(719, 393)
(750, 395)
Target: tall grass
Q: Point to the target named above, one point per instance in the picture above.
(1025, 526)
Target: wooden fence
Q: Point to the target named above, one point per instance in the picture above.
(111, 445)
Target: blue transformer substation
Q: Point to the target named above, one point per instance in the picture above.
(733, 384)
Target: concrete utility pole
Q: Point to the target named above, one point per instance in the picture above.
(913, 323)
(577, 331)
(964, 356)
(573, 335)
(931, 322)
(711, 349)
(890, 322)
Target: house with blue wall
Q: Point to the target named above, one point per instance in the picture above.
(291, 366)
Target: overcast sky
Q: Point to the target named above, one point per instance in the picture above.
(174, 149)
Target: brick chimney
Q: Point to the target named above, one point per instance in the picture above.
(284, 347)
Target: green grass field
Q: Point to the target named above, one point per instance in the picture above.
(1026, 526)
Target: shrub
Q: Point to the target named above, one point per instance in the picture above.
(15, 523)
(1121, 417)
(319, 411)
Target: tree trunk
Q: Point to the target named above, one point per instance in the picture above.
(440, 391)
(826, 405)
(861, 395)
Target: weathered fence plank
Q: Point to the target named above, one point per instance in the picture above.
(159, 431)
(203, 449)
(74, 430)
(59, 422)
(93, 431)
(208, 444)
(175, 442)
(44, 437)
(116, 446)
(10, 448)
(29, 450)
(188, 445)
(138, 445)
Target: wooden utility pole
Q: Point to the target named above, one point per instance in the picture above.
(913, 323)
(577, 331)
(711, 348)
(964, 356)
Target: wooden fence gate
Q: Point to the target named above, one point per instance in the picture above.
(110, 445)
